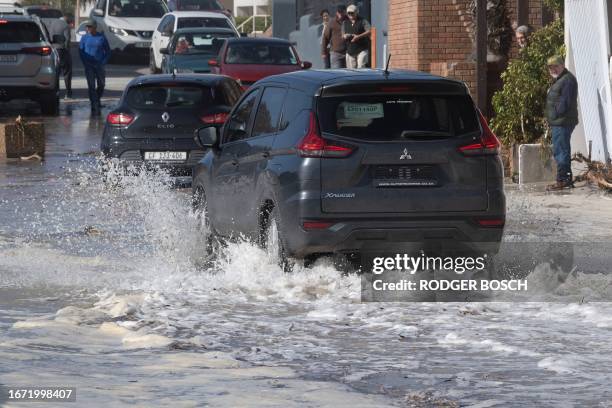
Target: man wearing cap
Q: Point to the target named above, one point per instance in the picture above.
(562, 115)
(95, 53)
(332, 43)
(356, 32)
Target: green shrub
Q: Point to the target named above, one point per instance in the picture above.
(519, 105)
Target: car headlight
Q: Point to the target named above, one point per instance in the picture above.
(118, 31)
(183, 71)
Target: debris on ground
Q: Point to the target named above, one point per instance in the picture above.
(596, 172)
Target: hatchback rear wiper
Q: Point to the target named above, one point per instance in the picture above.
(178, 103)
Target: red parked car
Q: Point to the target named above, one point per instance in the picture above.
(248, 60)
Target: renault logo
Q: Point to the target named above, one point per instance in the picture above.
(165, 117)
(405, 155)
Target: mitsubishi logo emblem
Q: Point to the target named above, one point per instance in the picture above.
(165, 117)
(405, 155)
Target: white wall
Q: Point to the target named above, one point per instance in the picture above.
(245, 7)
(308, 41)
(587, 42)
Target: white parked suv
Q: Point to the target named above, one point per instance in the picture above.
(182, 19)
(128, 24)
(29, 65)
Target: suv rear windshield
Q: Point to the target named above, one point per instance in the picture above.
(20, 32)
(45, 13)
(397, 117)
(198, 5)
(194, 22)
(267, 54)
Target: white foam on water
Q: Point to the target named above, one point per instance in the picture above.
(146, 312)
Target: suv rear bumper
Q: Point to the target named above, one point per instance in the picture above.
(375, 232)
(348, 236)
(26, 89)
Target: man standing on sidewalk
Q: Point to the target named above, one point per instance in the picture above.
(332, 41)
(356, 31)
(61, 26)
(562, 116)
(95, 53)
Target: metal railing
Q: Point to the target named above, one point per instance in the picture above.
(251, 22)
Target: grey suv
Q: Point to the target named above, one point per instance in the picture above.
(29, 65)
(344, 161)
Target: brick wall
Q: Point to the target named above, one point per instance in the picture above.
(434, 36)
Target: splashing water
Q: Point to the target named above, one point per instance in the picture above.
(111, 269)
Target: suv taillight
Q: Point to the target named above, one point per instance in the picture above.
(313, 145)
(489, 144)
(37, 50)
(120, 119)
(214, 119)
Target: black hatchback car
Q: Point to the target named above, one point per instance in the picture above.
(157, 115)
(347, 161)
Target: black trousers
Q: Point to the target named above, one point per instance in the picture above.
(66, 67)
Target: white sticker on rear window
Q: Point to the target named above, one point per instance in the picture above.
(363, 110)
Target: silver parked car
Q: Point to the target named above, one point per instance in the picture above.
(29, 65)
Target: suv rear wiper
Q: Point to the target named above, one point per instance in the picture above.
(417, 134)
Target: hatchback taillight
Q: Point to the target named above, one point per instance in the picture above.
(214, 119)
(37, 50)
(313, 145)
(119, 119)
(489, 144)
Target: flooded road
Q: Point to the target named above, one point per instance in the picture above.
(100, 290)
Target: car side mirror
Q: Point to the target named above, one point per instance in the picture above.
(244, 34)
(306, 64)
(207, 136)
(58, 39)
(164, 51)
(98, 12)
(213, 63)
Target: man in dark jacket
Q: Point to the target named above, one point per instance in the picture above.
(562, 116)
(332, 41)
(356, 32)
(95, 53)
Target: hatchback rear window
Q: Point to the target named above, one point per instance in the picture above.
(162, 97)
(397, 117)
(18, 32)
(193, 22)
(198, 5)
(199, 43)
(268, 54)
(45, 13)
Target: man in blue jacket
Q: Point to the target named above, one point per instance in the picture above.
(95, 52)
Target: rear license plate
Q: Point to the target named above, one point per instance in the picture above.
(404, 176)
(166, 156)
(8, 58)
(142, 45)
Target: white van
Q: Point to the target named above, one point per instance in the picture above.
(128, 24)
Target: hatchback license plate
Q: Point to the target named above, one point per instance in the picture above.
(166, 156)
(142, 45)
(8, 58)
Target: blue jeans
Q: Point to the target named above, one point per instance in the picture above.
(96, 77)
(562, 151)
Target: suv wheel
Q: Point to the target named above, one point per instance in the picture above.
(49, 102)
(271, 240)
(208, 239)
(152, 67)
